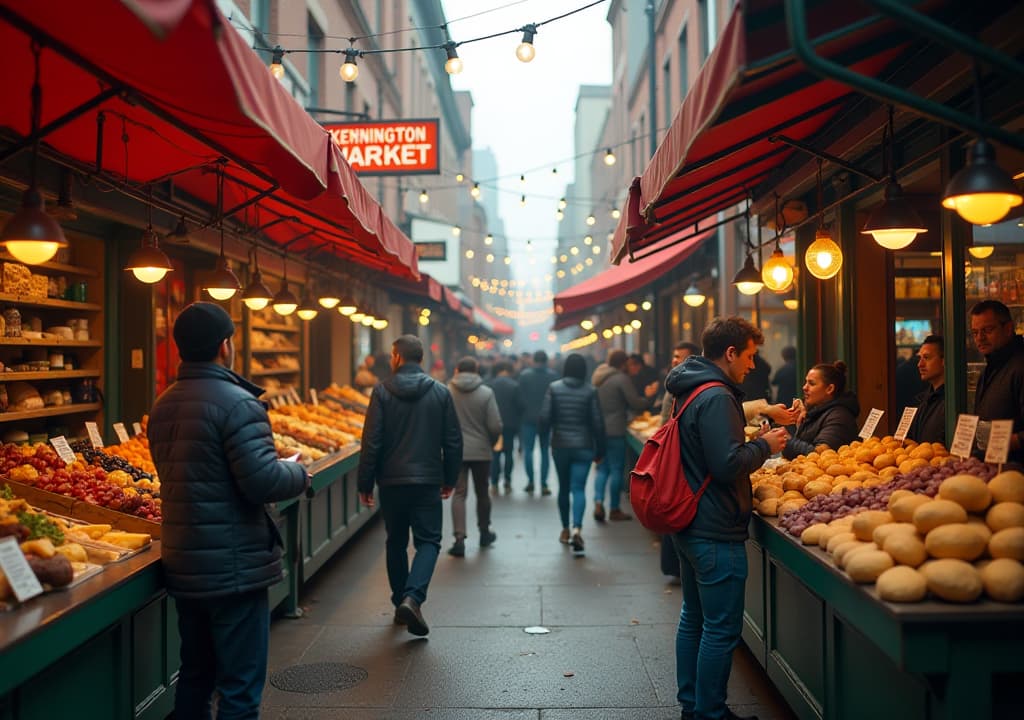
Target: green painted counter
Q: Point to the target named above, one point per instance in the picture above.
(108, 647)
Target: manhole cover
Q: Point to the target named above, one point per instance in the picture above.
(318, 677)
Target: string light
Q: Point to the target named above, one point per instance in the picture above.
(646, 305)
(616, 213)
(525, 50)
(456, 230)
(453, 65)
(591, 220)
(522, 201)
(475, 191)
(424, 197)
(562, 204)
(489, 239)
(609, 157)
(459, 177)
(470, 254)
(276, 68)
(349, 71)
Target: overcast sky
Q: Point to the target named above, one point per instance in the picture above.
(525, 111)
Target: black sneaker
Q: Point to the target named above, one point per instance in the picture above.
(508, 488)
(487, 538)
(458, 549)
(529, 488)
(408, 613)
(545, 491)
(576, 541)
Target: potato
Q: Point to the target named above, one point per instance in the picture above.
(955, 540)
(911, 464)
(765, 491)
(794, 481)
(837, 540)
(768, 507)
(1004, 515)
(867, 565)
(1008, 543)
(1007, 486)
(903, 509)
(925, 452)
(811, 534)
(830, 532)
(901, 584)
(882, 532)
(864, 523)
(896, 495)
(979, 526)
(953, 580)
(817, 487)
(971, 492)
(862, 475)
(1003, 580)
(930, 515)
(790, 505)
(847, 550)
(906, 548)
(884, 460)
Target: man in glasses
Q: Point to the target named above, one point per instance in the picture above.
(1000, 392)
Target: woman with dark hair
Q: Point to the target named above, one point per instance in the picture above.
(831, 417)
(572, 412)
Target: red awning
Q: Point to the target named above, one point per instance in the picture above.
(492, 324)
(190, 91)
(619, 281)
(750, 89)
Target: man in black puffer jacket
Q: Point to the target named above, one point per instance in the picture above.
(412, 449)
(213, 448)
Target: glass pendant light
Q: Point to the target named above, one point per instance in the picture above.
(824, 257)
(982, 193)
(307, 309)
(347, 306)
(748, 280)
(894, 224)
(693, 295)
(328, 298)
(777, 272)
(525, 50)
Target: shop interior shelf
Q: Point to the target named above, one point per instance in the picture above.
(276, 371)
(50, 412)
(55, 266)
(276, 328)
(48, 375)
(264, 351)
(50, 342)
(27, 301)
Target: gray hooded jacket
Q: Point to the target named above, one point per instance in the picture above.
(477, 409)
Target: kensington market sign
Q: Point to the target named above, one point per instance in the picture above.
(390, 147)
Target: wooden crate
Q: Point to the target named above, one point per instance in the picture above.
(81, 510)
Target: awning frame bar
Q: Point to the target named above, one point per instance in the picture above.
(60, 122)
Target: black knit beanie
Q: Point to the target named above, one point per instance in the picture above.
(200, 329)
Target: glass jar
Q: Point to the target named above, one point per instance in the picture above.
(12, 320)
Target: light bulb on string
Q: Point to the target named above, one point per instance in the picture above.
(456, 230)
(453, 65)
(475, 191)
(489, 239)
(562, 203)
(349, 71)
(424, 197)
(591, 220)
(823, 258)
(276, 59)
(616, 213)
(609, 157)
(459, 177)
(522, 201)
(525, 51)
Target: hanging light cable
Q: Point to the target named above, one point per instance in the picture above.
(222, 283)
(748, 280)
(525, 50)
(149, 264)
(777, 272)
(256, 295)
(284, 303)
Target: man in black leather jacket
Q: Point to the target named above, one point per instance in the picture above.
(412, 449)
(212, 445)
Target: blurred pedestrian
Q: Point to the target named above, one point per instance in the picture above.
(533, 385)
(785, 377)
(510, 406)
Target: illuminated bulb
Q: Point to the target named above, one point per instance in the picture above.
(475, 191)
(459, 177)
(617, 329)
(470, 254)
(562, 204)
(587, 324)
(559, 215)
(425, 312)
(328, 302)
(560, 274)
(596, 249)
(473, 339)
(791, 303)
(307, 313)
(347, 307)
(982, 193)
(609, 157)
(525, 51)
(574, 250)
(424, 320)
(284, 303)
(453, 65)
(456, 230)
(645, 305)
(693, 296)
(368, 320)
(777, 273)
(616, 213)
(489, 239)
(508, 260)
(149, 264)
(349, 71)
(276, 68)
(554, 260)
(588, 240)
(637, 324)
(628, 329)
(380, 324)
(591, 220)
(630, 307)
(607, 334)
(424, 198)
(823, 258)
(489, 257)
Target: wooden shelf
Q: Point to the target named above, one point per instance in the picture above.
(50, 412)
(55, 266)
(276, 371)
(276, 328)
(48, 375)
(264, 351)
(49, 342)
(28, 301)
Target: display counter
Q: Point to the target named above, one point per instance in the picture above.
(111, 642)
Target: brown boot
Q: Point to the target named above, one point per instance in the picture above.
(564, 536)
(599, 511)
(618, 515)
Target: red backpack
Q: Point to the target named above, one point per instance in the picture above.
(658, 491)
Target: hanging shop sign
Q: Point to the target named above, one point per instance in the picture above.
(390, 147)
(432, 250)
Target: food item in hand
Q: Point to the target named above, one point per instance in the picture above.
(1003, 579)
(929, 516)
(1007, 486)
(901, 584)
(55, 571)
(969, 490)
(1008, 543)
(956, 540)
(867, 565)
(953, 580)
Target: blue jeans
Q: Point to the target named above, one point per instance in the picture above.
(528, 434)
(613, 467)
(224, 643)
(417, 508)
(713, 577)
(508, 441)
(572, 465)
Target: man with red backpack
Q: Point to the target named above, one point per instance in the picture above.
(711, 549)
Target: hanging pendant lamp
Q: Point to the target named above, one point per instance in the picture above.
(894, 224)
(284, 303)
(149, 264)
(256, 295)
(824, 257)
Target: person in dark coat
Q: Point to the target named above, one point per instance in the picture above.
(642, 374)
(785, 377)
(929, 424)
(758, 385)
(572, 412)
(831, 412)
(1000, 391)
(533, 385)
(212, 446)
(412, 450)
(712, 551)
(909, 385)
(510, 405)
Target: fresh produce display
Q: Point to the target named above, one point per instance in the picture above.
(315, 431)
(120, 471)
(42, 542)
(136, 450)
(345, 394)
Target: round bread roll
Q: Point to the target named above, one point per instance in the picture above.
(1003, 580)
(906, 548)
(901, 584)
(956, 540)
(882, 532)
(1004, 515)
(864, 523)
(953, 580)
(865, 566)
(930, 515)
(970, 491)
(1007, 486)
(811, 534)
(1008, 543)
(903, 509)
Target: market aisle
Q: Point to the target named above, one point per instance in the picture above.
(609, 654)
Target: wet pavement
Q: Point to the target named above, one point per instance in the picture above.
(608, 656)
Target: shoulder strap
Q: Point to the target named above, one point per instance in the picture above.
(693, 395)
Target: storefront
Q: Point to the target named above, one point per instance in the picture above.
(792, 110)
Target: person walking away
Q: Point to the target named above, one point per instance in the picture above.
(412, 451)
(929, 424)
(617, 394)
(510, 406)
(365, 378)
(785, 377)
(212, 445)
(480, 421)
(572, 412)
(711, 550)
(533, 384)
(1000, 391)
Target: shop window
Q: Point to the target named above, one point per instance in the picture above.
(917, 293)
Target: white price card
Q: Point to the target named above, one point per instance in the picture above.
(12, 561)
(313, 396)
(295, 396)
(905, 421)
(871, 423)
(963, 436)
(121, 432)
(998, 448)
(137, 428)
(60, 444)
(94, 434)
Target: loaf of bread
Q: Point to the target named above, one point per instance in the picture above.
(16, 279)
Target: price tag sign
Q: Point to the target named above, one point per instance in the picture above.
(60, 444)
(904, 427)
(295, 396)
(275, 402)
(963, 437)
(137, 428)
(12, 561)
(871, 423)
(94, 434)
(313, 396)
(121, 432)
(998, 448)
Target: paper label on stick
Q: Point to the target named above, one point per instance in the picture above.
(963, 436)
(60, 444)
(998, 448)
(19, 574)
(136, 428)
(121, 432)
(94, 434)
(871, 423)
(313, 396)
(904, 427)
